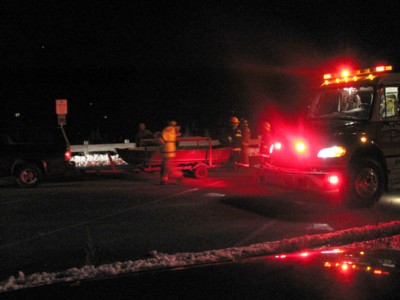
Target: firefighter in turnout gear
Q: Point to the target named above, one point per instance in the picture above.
(245, 129)
(168, 153)
(266, 140)
(233, 138)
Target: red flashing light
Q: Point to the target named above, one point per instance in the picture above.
(67, 155)
(333, 179)
(327, 76)
(345, 73)
(300, 147)
(278, 146)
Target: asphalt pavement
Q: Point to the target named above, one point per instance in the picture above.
(107, 217)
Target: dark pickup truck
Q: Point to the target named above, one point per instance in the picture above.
(30, 155)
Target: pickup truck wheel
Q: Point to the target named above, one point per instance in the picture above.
(28, 175)
(366, 183)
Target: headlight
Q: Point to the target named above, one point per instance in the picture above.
(332, 152)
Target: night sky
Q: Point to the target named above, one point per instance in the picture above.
(122, 62)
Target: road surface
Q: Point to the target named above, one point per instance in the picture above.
(98, 219)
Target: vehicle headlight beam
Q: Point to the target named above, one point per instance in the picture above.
(335, 151)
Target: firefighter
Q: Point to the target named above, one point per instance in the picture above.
(232, 137)
(168, 152)
(245, 129)
(388, 106)
(265, 143)
(143, 133)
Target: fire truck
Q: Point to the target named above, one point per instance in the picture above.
(349, 141)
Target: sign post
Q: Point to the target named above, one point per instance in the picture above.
(62, 120)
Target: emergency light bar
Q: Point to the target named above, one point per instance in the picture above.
(347, 75)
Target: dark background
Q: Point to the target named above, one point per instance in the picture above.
(122, 62)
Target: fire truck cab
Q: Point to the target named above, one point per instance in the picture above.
(349, 142)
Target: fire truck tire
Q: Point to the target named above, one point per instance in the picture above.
(366, 183)
(200, 172)
(28, 175)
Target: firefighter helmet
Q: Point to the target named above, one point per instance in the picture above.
(234, 120)
(267, 126)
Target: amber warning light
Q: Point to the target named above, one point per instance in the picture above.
(383, 68)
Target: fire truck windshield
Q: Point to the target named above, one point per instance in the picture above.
(342, 103)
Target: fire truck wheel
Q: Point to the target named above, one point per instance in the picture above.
(201, 172)
(366, 183)
(28, 175)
